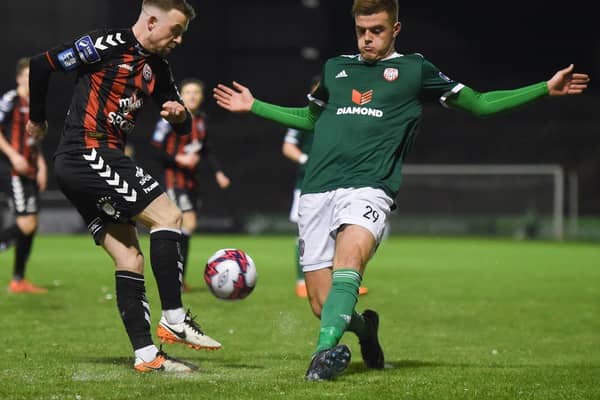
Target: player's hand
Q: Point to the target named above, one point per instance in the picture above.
(187, 160)
(19, 164)
(566, 82)
(36, 130)
(174, 112)
(222, 180)
(238, 99)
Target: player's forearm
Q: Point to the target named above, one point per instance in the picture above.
(300, 118)
(39, 77)
(185, 127)
(490, 103)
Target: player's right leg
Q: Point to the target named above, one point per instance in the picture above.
(25, 202)
(163, 218)
(121, 243)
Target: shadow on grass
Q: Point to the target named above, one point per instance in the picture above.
(128, 361)
(359, 367)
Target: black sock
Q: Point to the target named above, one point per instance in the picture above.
(9, 234)
(167, 265)
(133, 307)
(185, 245)
(22, 251)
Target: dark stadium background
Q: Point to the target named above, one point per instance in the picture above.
(486, 45)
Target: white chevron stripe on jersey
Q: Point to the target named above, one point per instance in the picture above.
(133, 196)
(106, 173)
(102, 43)
(99, 165)
(92, 156)
(109, 40)
(115, 181)
(123, 189)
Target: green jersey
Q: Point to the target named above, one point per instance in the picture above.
(303, 140)
(370, 115)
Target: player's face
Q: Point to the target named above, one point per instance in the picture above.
(166, 31)
(192, 96)
(376, 35)
(23, 80)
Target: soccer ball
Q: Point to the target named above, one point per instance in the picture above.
(230, 274)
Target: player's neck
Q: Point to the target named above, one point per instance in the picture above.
(140, 34)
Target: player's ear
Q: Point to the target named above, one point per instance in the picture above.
(152, 20)
(397, 28)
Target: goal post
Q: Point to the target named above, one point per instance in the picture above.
(456, 177)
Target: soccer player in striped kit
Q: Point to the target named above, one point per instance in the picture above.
(28, 177)
(365, 115)
(118, 70)
(181, 155)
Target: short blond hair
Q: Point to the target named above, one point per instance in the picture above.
(168, 5)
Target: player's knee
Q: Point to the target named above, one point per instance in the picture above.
(27, 225)
(171, 218)
(132, 261)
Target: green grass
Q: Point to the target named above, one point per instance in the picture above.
(460, 319)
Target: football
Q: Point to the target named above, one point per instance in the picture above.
(230, 274)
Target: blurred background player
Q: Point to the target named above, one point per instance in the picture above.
(180, 156)
(296, 147)
(26, 179)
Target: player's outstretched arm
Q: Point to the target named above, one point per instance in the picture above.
(239, 99)
(566, 82)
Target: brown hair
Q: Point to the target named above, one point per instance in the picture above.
(168, 5)
(192, 81)
(22, 64)
(368, 7)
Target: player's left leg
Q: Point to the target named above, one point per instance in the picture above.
(188, 226)
(163, 219)
(27, 225)
(25, 201)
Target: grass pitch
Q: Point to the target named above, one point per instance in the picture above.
(460, 319)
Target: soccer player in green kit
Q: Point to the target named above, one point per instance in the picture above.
(364, 115)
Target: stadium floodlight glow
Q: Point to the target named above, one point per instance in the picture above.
(311, 3)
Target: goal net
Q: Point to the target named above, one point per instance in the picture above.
(507, 200)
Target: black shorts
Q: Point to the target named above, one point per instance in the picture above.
(185, 200)
(24, 195)
(105, 186)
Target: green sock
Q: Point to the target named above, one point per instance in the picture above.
(299, 272)
(357, 325)
(339, 307)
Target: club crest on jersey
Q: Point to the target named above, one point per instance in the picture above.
(390, 74)
(147, 73)
(362, 98)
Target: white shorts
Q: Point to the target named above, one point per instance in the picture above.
(294, 209)
(322, 214)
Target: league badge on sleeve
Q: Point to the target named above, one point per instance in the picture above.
(87, 51)
(390, 74)
(68, 60)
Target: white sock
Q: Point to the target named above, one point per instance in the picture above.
(146, 354)
(175, 316)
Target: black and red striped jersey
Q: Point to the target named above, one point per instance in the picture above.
(169, 145)
(115, 77)
(14, 114)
